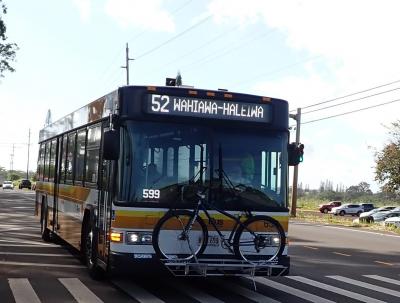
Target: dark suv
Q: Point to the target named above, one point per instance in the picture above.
(25, 183)
(367, 206)
(325, 208)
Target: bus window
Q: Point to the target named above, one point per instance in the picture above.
(46, 162)
(183, 163)
(63, 159)
(92, 153)
(41, 162)
(80, 155)
(70, 157)
(52, 162)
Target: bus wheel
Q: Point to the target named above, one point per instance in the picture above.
(90, 251)
(45, 232)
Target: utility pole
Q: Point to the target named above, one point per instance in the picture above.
(127, 59)
(29, 145)
(297, 117)
(12, 159)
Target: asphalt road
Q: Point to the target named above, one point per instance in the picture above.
(329, 264)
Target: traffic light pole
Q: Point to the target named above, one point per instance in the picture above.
(297, 117)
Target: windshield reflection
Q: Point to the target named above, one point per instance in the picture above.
(241, 170)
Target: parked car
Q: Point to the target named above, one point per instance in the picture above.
(367, 206)
(8, 185)
(347, 209)
(393, 221)
(325, 208)
(366, 216)
(381, 216)
(25, 183)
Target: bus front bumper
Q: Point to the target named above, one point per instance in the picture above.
(150, 265)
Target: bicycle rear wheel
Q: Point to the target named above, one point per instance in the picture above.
(260, 239)
(175, 238)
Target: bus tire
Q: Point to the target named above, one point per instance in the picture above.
(45, 232)
(90, 251)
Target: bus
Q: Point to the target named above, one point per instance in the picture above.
(109, 171)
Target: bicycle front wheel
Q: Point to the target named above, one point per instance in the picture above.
(176, 237)
(260, 239)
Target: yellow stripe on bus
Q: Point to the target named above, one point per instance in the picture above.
(147, 219)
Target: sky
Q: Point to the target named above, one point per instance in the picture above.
(306, 52)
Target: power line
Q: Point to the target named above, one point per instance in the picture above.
(135, 37)
(350, 101)
(241, 83)
(196, 49)
(351, 112)
(224, 51)
(349, 95)
(174, 37)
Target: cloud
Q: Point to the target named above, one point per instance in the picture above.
(147, 15)
(84, 8)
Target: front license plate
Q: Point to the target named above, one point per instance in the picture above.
(142, 256)
(213, 240)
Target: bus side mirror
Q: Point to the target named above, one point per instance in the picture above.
(111, 145)
(295, 154)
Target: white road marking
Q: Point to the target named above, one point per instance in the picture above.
(11, 253)
(79, 291)
(380, 278)
(292, 291)
(38, 243)
(367, 285)
(40, 264)
(334, 289)
(136, 292)
(247, 293)
(27, 245)
(23, 291)
(195, 293)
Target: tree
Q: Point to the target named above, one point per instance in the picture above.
(7, 50)
(387, 170)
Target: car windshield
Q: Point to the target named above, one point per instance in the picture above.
(164, 164)
(7, 182)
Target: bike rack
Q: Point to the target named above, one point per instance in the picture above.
(221, 267)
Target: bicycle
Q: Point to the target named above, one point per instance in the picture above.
(183, 234)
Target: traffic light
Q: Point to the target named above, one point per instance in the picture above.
(295, 154)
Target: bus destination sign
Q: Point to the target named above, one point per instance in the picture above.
(203, 108)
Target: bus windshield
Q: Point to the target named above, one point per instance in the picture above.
(164, 164)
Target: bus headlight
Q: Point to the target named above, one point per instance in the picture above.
(140, 238)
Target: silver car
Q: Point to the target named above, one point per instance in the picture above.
(8, 185)
(366, 216)
(347, 209)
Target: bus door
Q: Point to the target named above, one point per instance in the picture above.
(104, 206)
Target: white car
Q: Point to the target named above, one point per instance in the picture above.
(393, 221)
(347, 209)
(8, 185)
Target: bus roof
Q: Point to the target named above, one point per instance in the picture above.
(109, 104)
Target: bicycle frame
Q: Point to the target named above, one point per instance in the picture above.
(202, 205)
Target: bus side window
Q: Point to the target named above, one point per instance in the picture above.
(52, 161)
(46, 162)
(80, 155)
(92, 153)
(41, 162)
(63, 159)
(70, 158)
